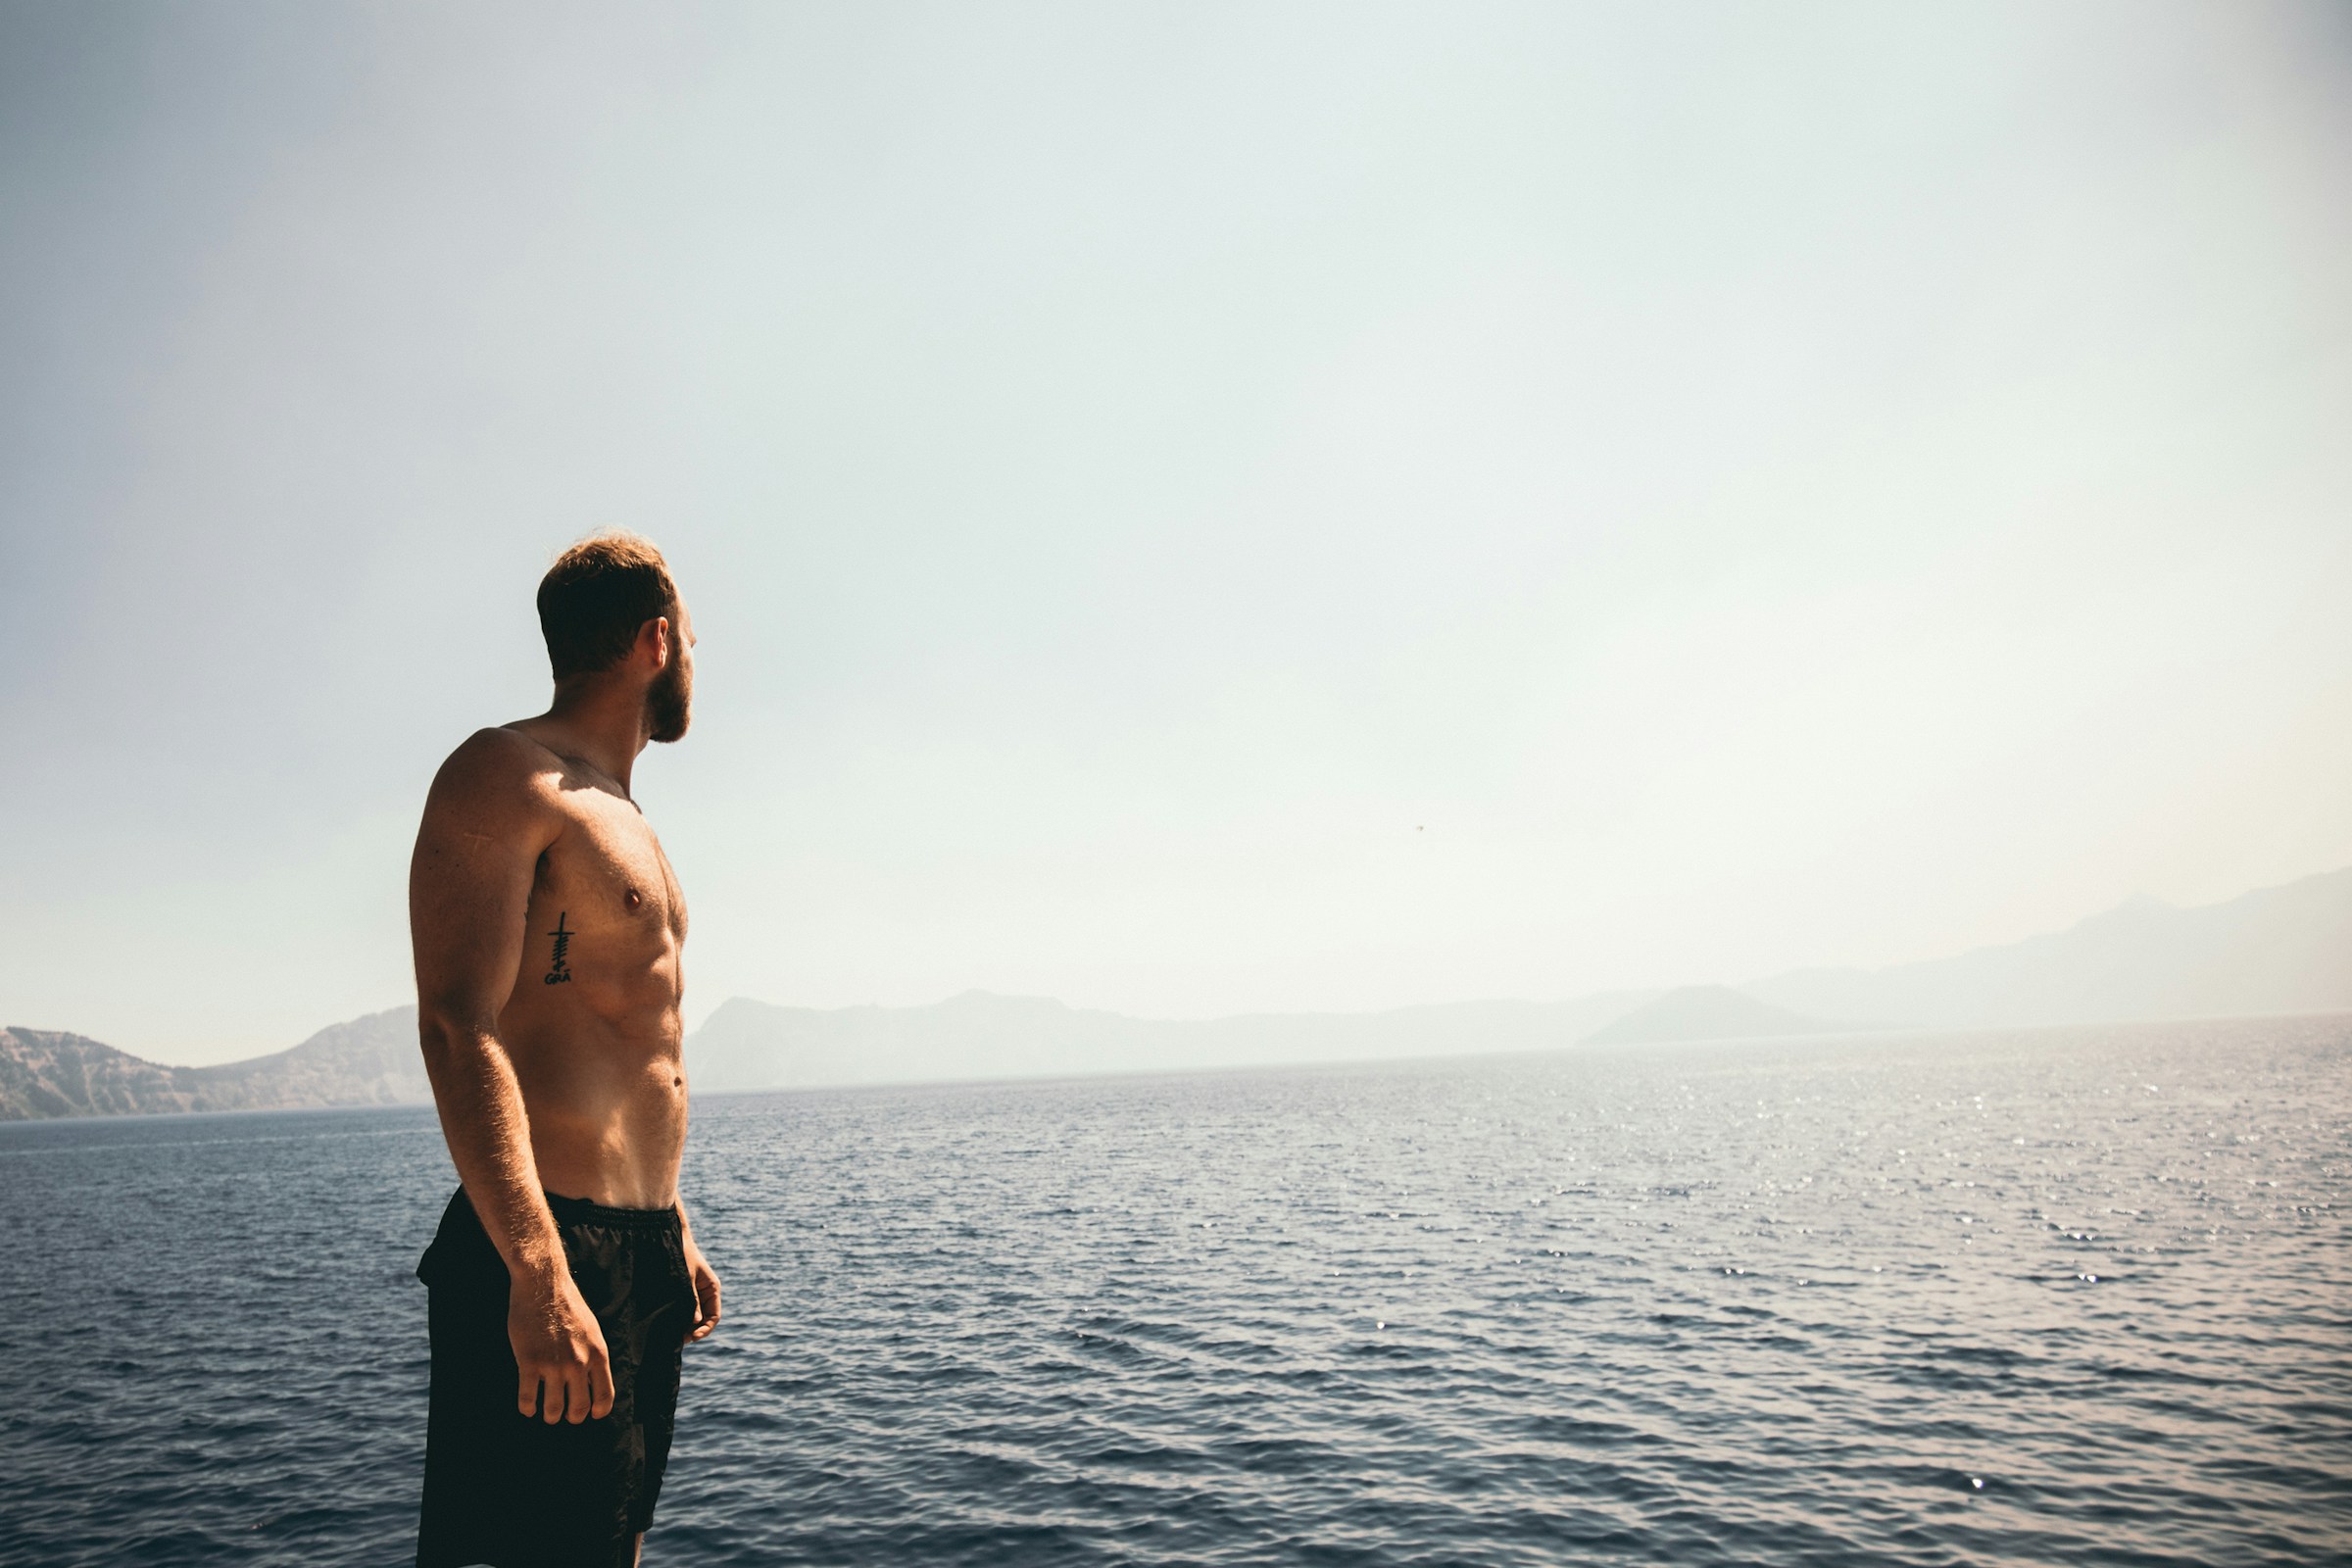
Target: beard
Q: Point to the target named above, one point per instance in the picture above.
(669, 704)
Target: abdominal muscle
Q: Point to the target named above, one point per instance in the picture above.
(607, 1105)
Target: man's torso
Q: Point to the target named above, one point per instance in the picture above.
(593, 1025)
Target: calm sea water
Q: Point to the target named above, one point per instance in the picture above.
(2067, 1296)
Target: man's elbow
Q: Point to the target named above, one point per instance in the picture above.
(448, 1030)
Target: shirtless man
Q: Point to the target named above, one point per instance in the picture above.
(564, 1278)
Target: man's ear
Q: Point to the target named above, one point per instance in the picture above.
(654, 639)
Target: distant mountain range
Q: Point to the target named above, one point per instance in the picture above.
(369, 1061)
(754, 1044)
(2281, 950)
(1706, 1012)
(2284, 950)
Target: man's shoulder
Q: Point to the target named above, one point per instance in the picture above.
(500, 766)
(506, 749)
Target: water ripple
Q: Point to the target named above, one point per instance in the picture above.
(2073, 1296)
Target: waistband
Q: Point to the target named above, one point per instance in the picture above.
(580, 1211)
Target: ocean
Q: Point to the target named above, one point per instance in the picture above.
(2048, 1297)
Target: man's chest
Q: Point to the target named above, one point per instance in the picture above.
(608, 866)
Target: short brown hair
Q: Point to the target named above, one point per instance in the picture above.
(597, 594)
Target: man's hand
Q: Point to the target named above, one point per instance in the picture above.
(564, 1373)
(705, 1291)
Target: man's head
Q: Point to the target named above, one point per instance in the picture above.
(608, 606)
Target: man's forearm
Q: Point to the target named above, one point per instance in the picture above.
(489, 1138)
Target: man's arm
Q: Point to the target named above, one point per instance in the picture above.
(704, 1279)
(485, 824)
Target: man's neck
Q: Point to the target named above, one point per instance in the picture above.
(601, 723)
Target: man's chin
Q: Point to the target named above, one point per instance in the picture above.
(669, 733)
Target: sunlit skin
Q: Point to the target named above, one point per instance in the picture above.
(548, 930)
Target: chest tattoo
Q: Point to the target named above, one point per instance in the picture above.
(559, 971)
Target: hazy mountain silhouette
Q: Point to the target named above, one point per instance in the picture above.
(754, 1045)
(2276, 950)
(1705, 1012)
(369, 1061)
(2279, 949)
(2283, 950)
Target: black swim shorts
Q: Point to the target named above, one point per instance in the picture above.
(509, 1490)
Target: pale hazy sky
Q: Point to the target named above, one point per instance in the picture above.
(1188, 508)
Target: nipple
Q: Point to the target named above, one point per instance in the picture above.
(633, 899)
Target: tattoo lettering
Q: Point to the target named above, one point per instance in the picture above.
(562, 971)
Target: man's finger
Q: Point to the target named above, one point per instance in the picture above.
(575, 1394)
(526, 1394)
(551, 1408)
(600, 1388)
